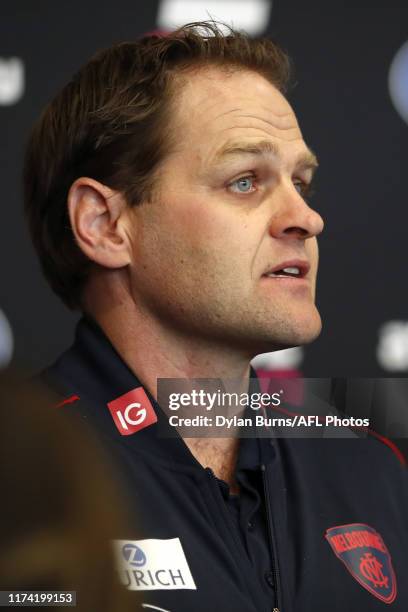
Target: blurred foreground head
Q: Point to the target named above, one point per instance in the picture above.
(60, 508)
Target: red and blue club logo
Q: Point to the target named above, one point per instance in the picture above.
(364, 553)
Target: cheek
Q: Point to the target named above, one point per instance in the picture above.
(201, 217)
(176, 238)
(204, 229)
(190, 240)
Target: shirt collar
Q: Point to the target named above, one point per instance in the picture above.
(94, 370)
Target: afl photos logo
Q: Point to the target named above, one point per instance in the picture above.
(364, 553)
(132, 411)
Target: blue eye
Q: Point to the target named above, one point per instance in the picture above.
(304, 189)
(243, 185)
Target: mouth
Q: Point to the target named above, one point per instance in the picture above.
(295, 269)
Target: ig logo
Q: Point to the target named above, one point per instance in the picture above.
(132, 411)
(126, 418)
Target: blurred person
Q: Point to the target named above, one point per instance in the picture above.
(60, 507)
(166, 190)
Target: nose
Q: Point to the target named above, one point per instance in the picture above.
(293, 217)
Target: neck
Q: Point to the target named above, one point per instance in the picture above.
(152, 349)
(219, 454)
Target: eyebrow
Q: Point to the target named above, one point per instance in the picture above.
(265, 148)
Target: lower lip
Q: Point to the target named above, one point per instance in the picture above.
(288, 281)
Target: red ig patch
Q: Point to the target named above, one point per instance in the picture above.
(132, 411)
(364, 553)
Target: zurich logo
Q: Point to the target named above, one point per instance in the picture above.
(134, 555)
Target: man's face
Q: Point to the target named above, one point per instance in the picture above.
(208, 252)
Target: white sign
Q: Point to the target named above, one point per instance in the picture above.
(252, 16)
(285, 359)
(11, 80)
(398, 81)
(6, 341)
(392, 349)
(153, 565)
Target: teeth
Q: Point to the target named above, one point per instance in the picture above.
(286, 271)
(291, 270)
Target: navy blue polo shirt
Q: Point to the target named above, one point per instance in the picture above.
(247, 512)
(320, 524)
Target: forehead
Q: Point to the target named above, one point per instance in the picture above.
(217, 109)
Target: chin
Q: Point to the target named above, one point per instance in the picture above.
(294, 331)
(305, 330)
(287, 337)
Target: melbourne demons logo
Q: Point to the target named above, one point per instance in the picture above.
(365, 555)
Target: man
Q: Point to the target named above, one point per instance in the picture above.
(166, 191)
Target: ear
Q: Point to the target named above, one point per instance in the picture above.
(96, 213)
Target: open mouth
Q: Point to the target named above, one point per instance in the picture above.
(293, 272)
(289, 269)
